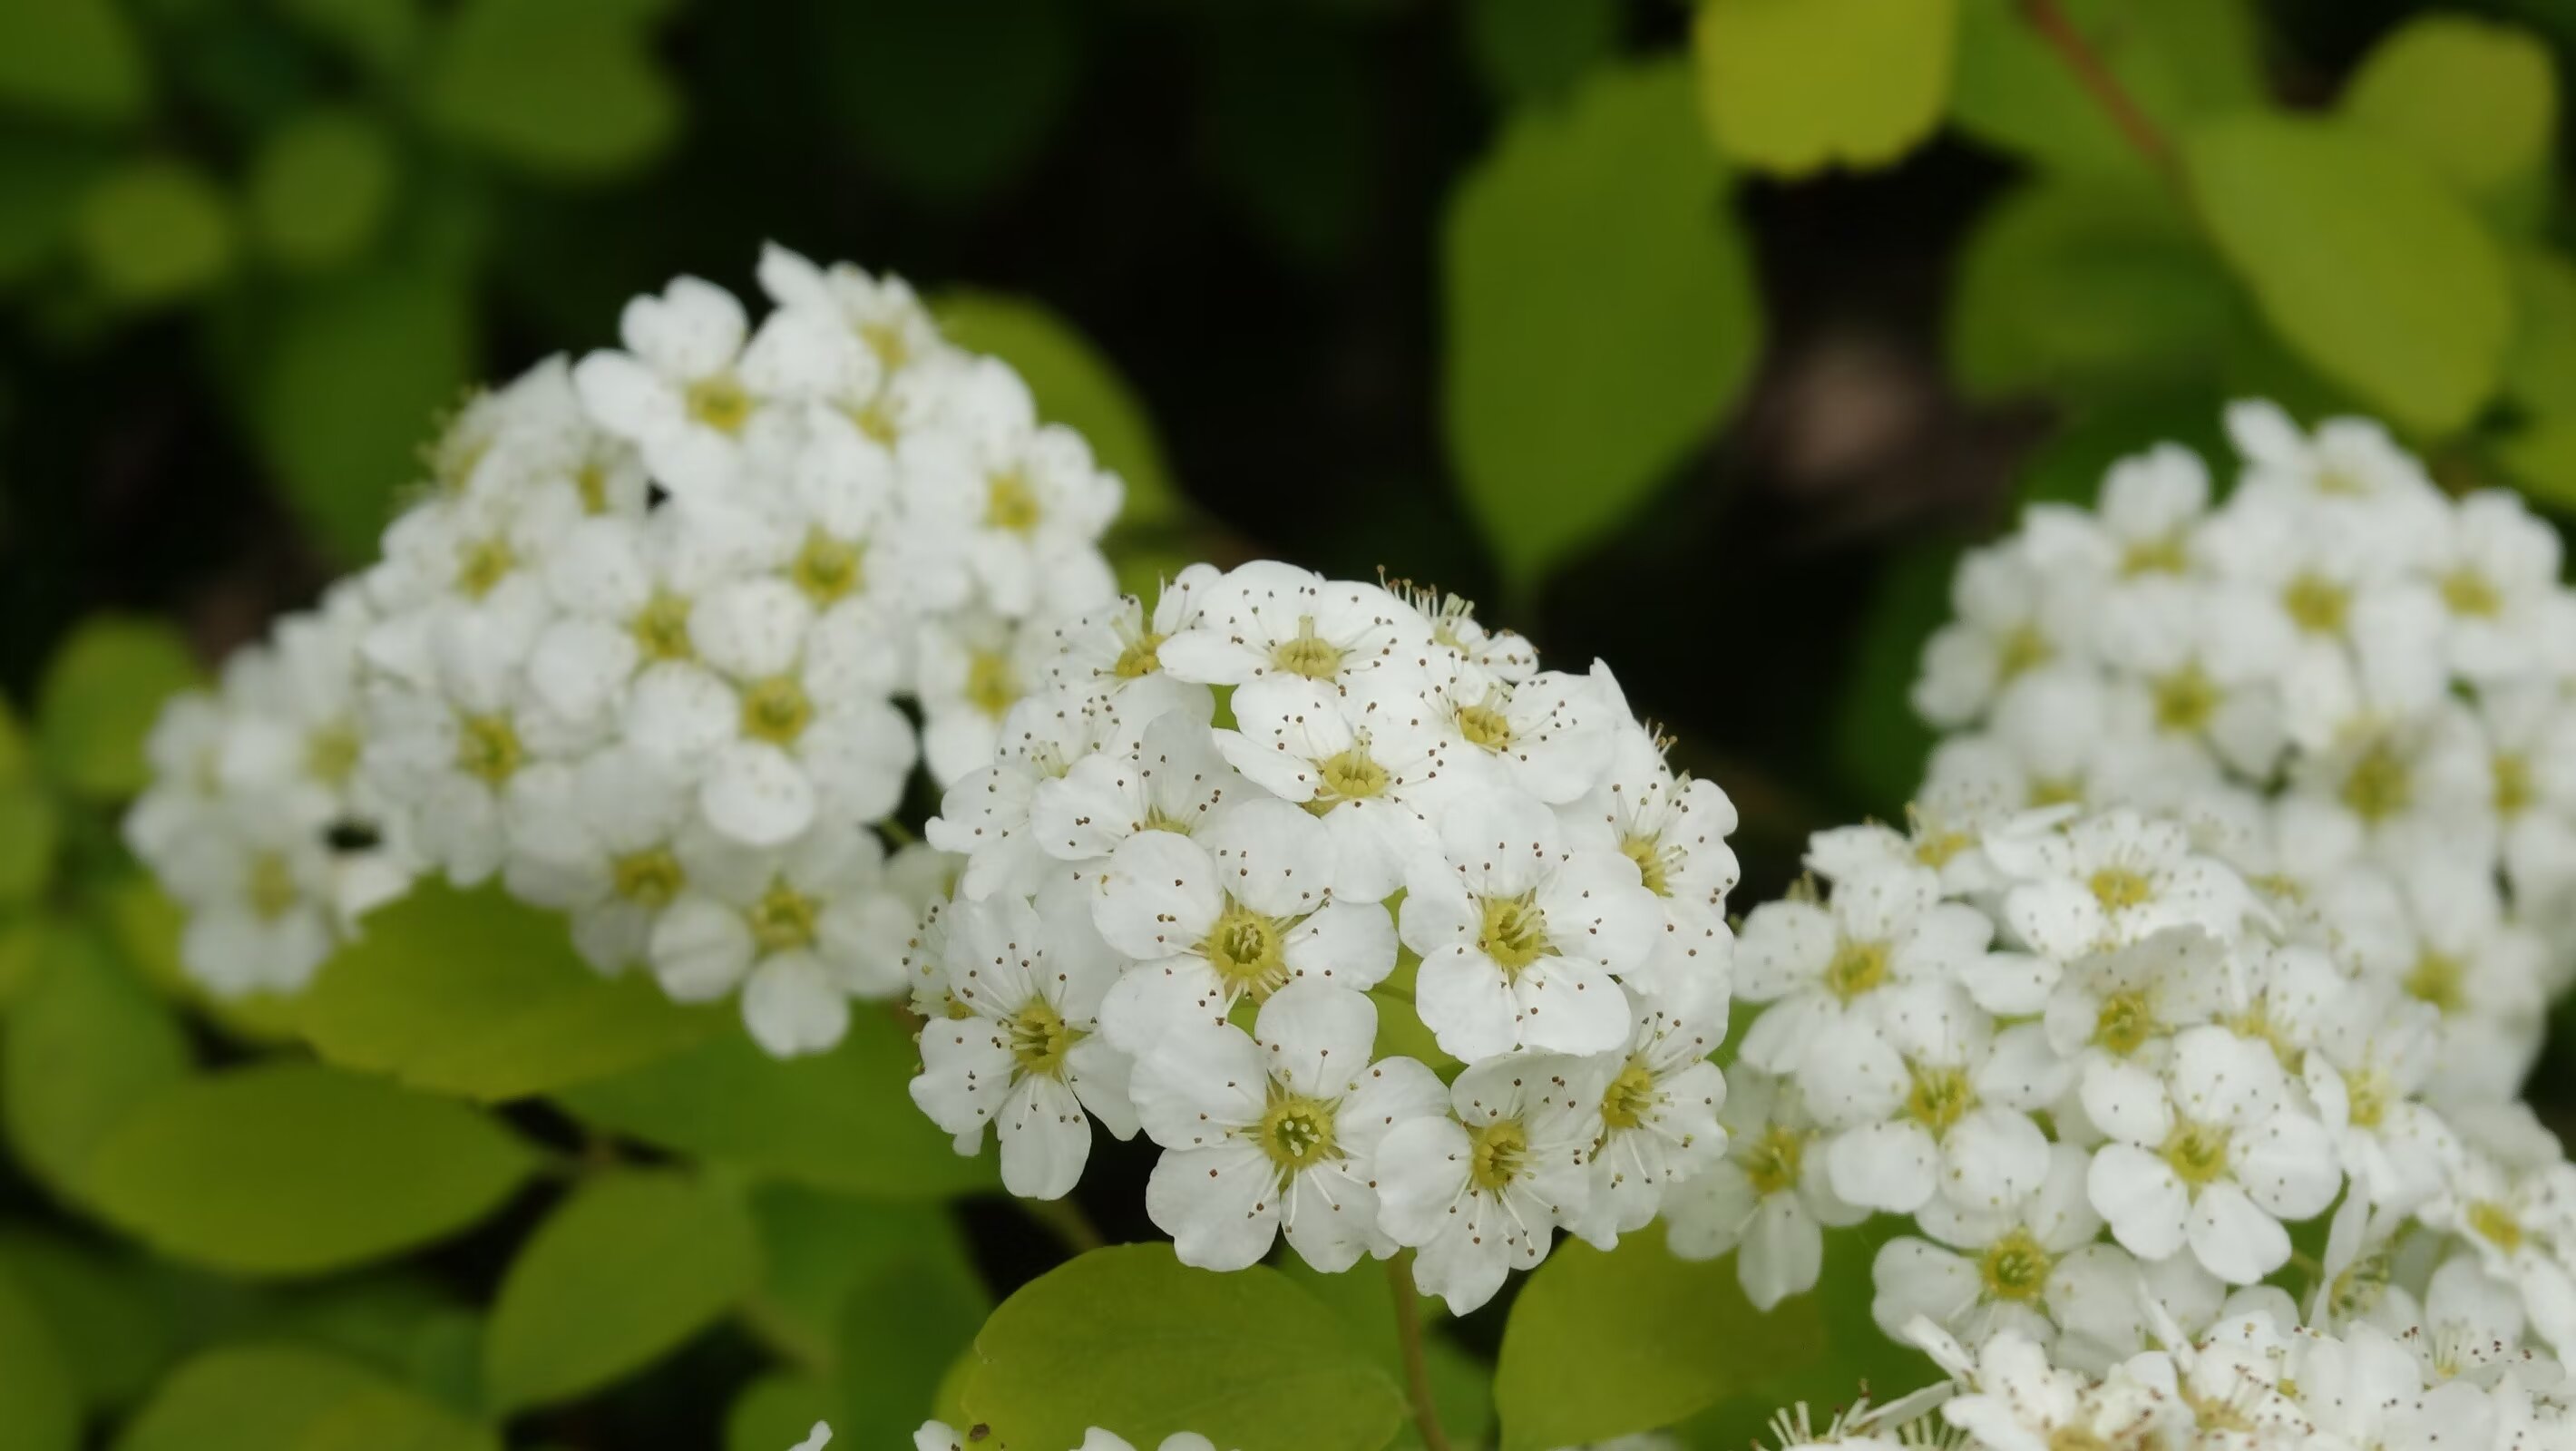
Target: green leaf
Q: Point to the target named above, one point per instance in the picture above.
(71, 58)
(294, 1168)
(283, 1398)
(890, 1366)
(2541, 457)
(2360, 259)
(2476, 101)
(2178, 60)
(39, 1401)
(1462, 1384)
(84, 1047)
(778, 1410)
(154, 231)
(101, 694)
(382, 33)
(945, 100)
(816, 1248)
(479, 995)
(623, 1272)
(30, 829)
(347, 386)
(2070, 286)
(1600, 316)
(320, 188)
(1604, 1344)
(842, 1120)
(42, 181)
(1792, 86)
(563, 87)
(2540, 371)
(1076, 385)
(1530, 50)
(1132, 1341)
(107, 1314)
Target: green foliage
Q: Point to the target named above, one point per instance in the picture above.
(777, 1410)
(293, 1168)
(39, 1404)
(284, 1398)
(108, 1314)
(42, 181)
(79, 1052)
(320, 188)
(479, 995)
(100, 696)
(76, 59)
(1530, 50)
(1075, 385)
(2177, 60)
(902, 1326)
(560, 87)
(2540, 371)
(841, 1120)
(1600, 316)
(1793, 86)
(1130, 1340)
(2474, 100)
(154, 231)
(627, 1268)
(30, 825)
(818, 1249)
(2369, 268)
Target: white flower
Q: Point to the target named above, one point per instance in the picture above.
(1478, 1194)
(2018, 1401)
(1929, 1099)
(2410, 787)
(1521, 938)
(970, 669)
(2439, 934)
(1675, 830)
(2214, 1153)
(1027, 979)
(799, 928)
(2349, 468)
(262, 896)
(688, 393)
(2496, 571)
(2013, 618)
(1659, 1105)
(1239, 909)
(1173, 781)
(1768, 1199)
(1265, 618)
(1367, 758)
(2141, 529)
(2531, 744)
(1024, 501)
(2374, 1055)
(1277, 1131)
(595, 838)
(1820, 965)
(1994, 1269)
(625, 588)
(2110, 880)
(984, 815)
(1548, 736)
(1113, 651)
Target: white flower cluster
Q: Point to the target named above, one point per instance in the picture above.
(2356, 689)
(1252, 834)
(637, 650)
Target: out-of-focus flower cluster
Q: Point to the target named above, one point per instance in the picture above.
(1260, 850)
(2356, 689)
(637, 648)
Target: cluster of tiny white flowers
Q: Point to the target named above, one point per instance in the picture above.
(2355, 688)
(1246, 833)
(637, 650)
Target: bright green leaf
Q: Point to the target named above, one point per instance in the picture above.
(72, 58)
(947, 100)
(1076, 385)
(2069, 286)
(107, 1314)
(294, 1168)
(1792, 86)
(101, 694)
(842, 1120)
(39, 1400)
(1600, 315)
(817, 1247)
(565, 87)
(623, 1272)
(30, 828)
(2541, 457)
(890, 1364)
(1529, 50)
(2361, 260)
(320, 188)
(778, 1410)
(2540, 371)
(284, 1398)
(1130, 1340)
(42, 181)
(153, 231)
(348, 385)
(80, 1051)
(2177, 60)
(480, 995)
(1604, 1344)
(2476, 101)
(1462, 1383)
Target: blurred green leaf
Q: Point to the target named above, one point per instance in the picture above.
(1792, 86)
(101, 694)
(39, 1400)
(2476, 101)
(1600, 315)
(71, 58)
(282, 1398)
(1076, 385)
(816, 1248)
(384, 34)
(2363, 262)
(842, 1120)
(1462, 1384)
(2178, 60)
(320, 188)
(1604, 1344)
(633, 1264)
(2067, 286)
(84, 1047)
(294, 1168)
(1530, 50)
(30, 829)
(2540, 371)
(479, 995)
(946, 100)
(2541, 457)
(777, 1410)
(359, 367)
(153, 231)
(1129, 1337)
(42, 181)
(569, 88)
(105, 1312)
(890, 1364)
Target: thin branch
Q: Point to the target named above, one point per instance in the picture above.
(2049, 18)
(1417, 1371)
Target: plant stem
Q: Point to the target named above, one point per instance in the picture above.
(1417, 1371)
(2049, 18)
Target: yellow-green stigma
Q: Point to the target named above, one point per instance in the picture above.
(271, 888)
(1495, 1152)
(1349, 774)
(1142, 657)
(331, 753)
(783, 920)
(720, 402)
(2056, 791)
(590, 481)
(1296, 1132)
(483, 565)
(1513, 933)
(2515, 790)
(2125, 1023)
(1245, 949)
(2378, 786)
(2197, 1153)
(1485, 724)
(1771, 1162)
(1040, 1038)
(2496, 1225)
(1940, 1097)
(1648, 854)
(661, 628)
(887, 342)
(2184, 700)
(1630, 1097)
(1856, 968)
(648, 878)
(2440, 979)
(828, 569)
(2119, 889)
(2316, 605)
(2015, 1267)
(2366, 1098)
(776, 710)
(990, 685)
(2021, 651)
(2162, 555)
(1307, 653)
(487, 748)
(1010, 504)
(2468, 592)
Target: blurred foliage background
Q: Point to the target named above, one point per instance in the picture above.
(1696, 339)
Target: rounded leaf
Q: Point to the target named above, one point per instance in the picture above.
(288, 1398)
(2476, 101)
(1792, 86)
(101, 694)
(39, 1400)
(154, 231)
(320, 187)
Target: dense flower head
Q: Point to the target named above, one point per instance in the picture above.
(1387, 936)
(637, 650)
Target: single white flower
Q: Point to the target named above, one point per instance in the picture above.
(688, 392)
(1675, 829)
(1819, 965)
(1173, 781)
(1266, 618)
(1478, 1191)
(595, 838)
(1768, 1200)
(1366, 758)
(2013, 616)
(2110, 880)
(1992, 1270)
(984, 814)
(1659, 1105)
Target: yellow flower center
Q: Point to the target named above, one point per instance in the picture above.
(487, 748)
(1940, 1097)
(2366, 1094)
(1010, 504)
(991, 687)
(2467, 592)
(1856, 968)
(648, 878)
(1771, 1163)
(590, 481)
(1307, 654)
(1350, 774)
(1514, 933)
(2125, 1023)
(2021, 651)
(1296, 1132)
(483, 565)
(1245, 949)
(2184, 700)
(2515, 791)
(1936, 850)
(2496, 1225)
(2162, 555)
(2379, 786)
(1648, 854)
(271, 888)
(2015, 1268)
(1141, 658)
(776, 710)
(1495, 1153)
(828, 569)
(2056, 791)
(783, 919)
(1631, 1096)
(2316, 604)
(661, 628)
(331, 753)
(886, 341)
(873, 421)
(1485, 725)
(720, 402)
(2196, 1152)
(2120, 889)
(2440, 979)
(1040, 1038)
